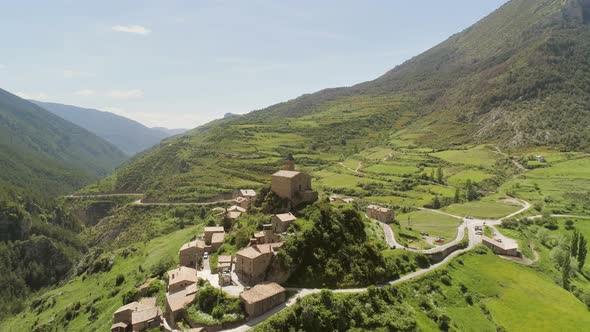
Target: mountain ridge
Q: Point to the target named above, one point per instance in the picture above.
(128, 135)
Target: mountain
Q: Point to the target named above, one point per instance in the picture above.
(171, 132)
(518, 78)
(128, 135)
(46, 154)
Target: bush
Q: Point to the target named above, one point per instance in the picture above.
(120, 279)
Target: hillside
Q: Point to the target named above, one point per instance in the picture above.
(129, 136)
(46, 154)
(518, 78)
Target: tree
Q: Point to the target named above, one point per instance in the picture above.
(432, 174)
(582, 251)
(457, 197)
(439, 174)
(566, 270)
(471, 193)
(574, 244)
(436, 202)
(202, 213)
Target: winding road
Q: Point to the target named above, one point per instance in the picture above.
(474, 240)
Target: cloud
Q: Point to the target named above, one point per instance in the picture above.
(76, 74)
(137, 29)
(2, 66)
(126, 94)
(85, 92)
(35, 96)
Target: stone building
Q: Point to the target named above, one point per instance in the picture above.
(293, 185)
(209, 231)
(508, 248)
(188, 253)
(281, 222)
(137, 316)
(380, 213)
(252, 263)
(262, 297)
(176, 302)
(180, 278)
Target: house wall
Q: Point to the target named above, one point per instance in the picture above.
(381, 216)
(253, 270)
(124, 317)
(278, 226)
(260, 307)
(282, 187)
(188, 257)
(142, 326)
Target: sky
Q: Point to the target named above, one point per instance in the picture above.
(180, 64)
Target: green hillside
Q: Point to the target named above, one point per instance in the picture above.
(47, 154)
(129, 136)
(520, 77)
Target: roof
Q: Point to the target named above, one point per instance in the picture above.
(259, 249)
(249, 252)
(145, 315)
(148, 301)
(505, 245)
(259, 234)
(188, 245)
(177, 301)
(233, 214)
(217, 237)
(119, 324)
(224, 259)
(214, 229)
(286, 174)
(236, 208)
(133, 306)
(241, 199)
(378, 208)
(181, 274)
(284, 217)
(248, 192)
(201, 244)
(289, 157)
(261, 292)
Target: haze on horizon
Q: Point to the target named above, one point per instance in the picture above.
(179, 64)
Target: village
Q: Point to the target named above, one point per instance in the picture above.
(244, 274)
(247, 274)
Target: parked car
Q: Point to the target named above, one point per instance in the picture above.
(205, 255)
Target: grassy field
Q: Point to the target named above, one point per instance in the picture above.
(459, 179)
(99, 291)
(511, 295)
(562, 187)
(482, 155)
(482, 209)
(435, 224)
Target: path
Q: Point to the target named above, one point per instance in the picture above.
(473, 238)
(140, 201)
(516, 163)
(353, 170)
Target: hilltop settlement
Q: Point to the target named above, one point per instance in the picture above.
(249, 274)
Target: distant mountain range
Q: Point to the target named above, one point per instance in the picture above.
(44, 153)
(128, 135)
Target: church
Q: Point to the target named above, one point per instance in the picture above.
(293, 185)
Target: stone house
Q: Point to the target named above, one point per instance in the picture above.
(137, 316)
(293, 185)
(247, 193)
(262, 297)
(243, 202)
(281, 222)
(380, 213)
(224, 263)
(509, 248)
(209, 231)
(180, 278)
(176, 302)
(188, 253)
(216, 241)
(252, 263)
